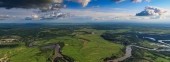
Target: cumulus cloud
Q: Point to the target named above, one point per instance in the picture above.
(152, 11)
(83, 2)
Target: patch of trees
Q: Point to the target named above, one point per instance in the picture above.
(9, 45)
(118, 38)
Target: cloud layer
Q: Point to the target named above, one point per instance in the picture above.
(152, 11)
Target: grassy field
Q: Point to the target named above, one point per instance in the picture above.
(82, 47)
(22, 54)
(94, 50)
(88, 47)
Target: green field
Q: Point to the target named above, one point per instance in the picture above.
(82, 48)
(22, 54)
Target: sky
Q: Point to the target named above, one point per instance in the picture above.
(103, 10)
(128, 4)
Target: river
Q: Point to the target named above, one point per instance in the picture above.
(127, 55)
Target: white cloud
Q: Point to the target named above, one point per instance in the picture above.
(98, 15)
(16, 13)
(83, 2)
(111, 15)
(152, 11)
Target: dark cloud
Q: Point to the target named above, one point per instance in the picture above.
(23, 3)
(35, 3)
(152, 11)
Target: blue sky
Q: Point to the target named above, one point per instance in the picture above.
(125, 4)
(121, 9)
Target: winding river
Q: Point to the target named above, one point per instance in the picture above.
(129, 52)
(127, 55)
